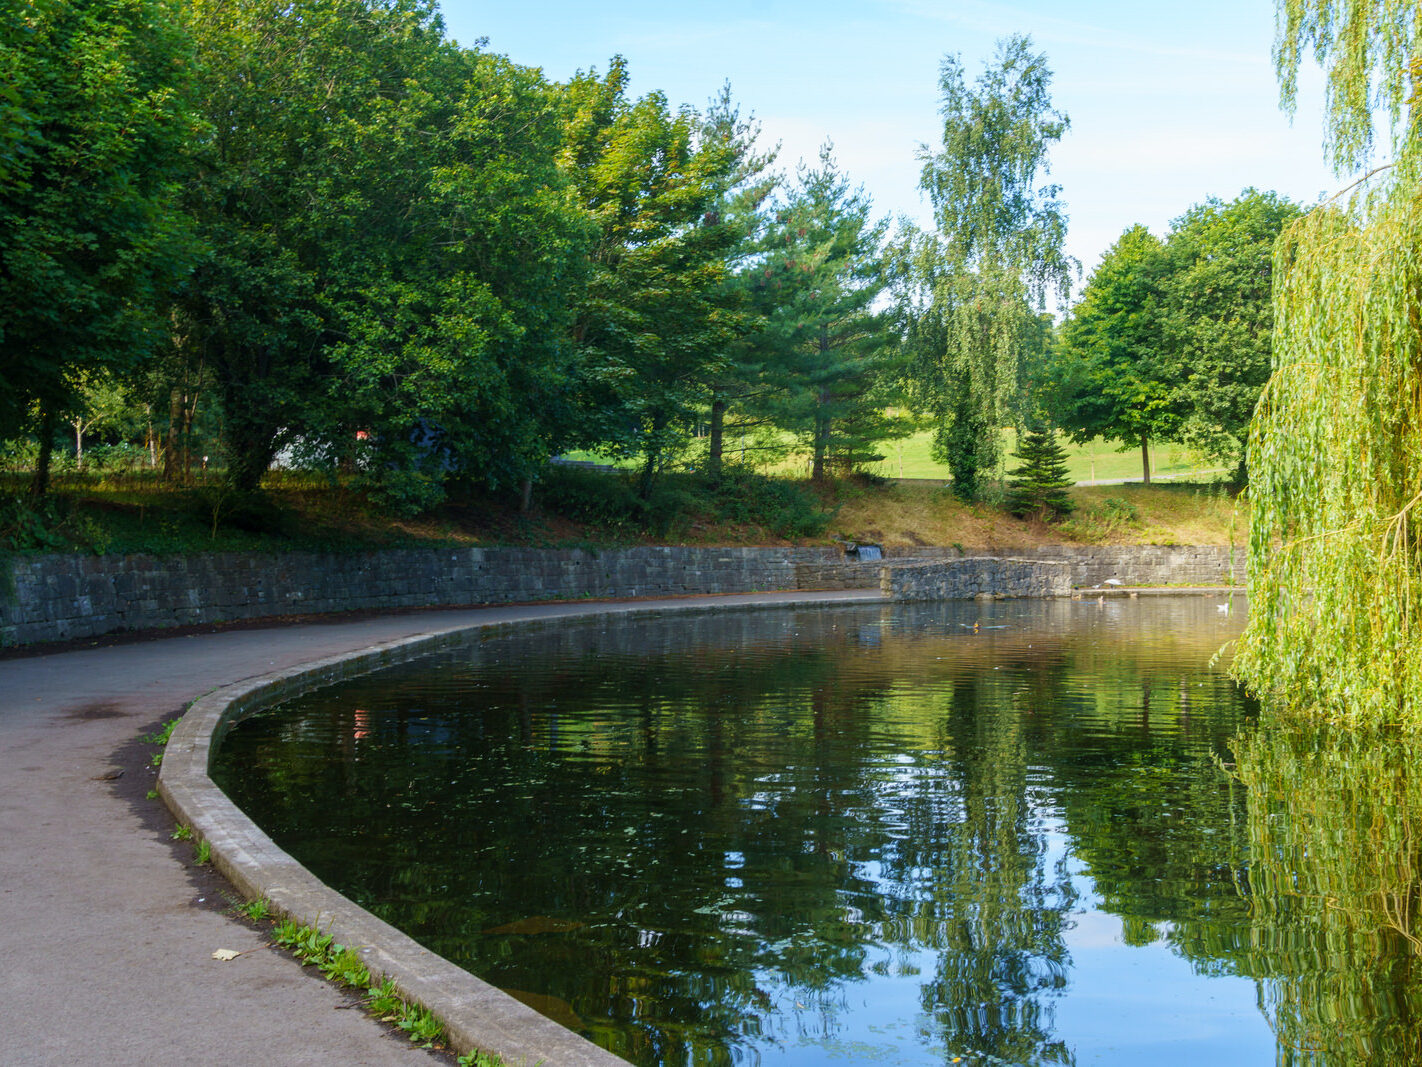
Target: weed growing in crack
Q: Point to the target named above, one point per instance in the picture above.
(256, 910)
(162, 734)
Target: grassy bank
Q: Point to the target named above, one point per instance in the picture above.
(574, 507)
(1180, 513)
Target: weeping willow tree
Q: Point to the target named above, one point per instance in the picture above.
(1335, 575)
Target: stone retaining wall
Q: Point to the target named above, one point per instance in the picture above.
(964, 579)
(60, 597)
(1128, 564)
(54, 598)
(840, 573)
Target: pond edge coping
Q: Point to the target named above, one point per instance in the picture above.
(475, 1014)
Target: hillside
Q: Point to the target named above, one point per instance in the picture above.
(587, 508)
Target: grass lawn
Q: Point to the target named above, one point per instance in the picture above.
(912, 457)
(1096, 461)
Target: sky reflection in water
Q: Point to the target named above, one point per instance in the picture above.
(867, 834)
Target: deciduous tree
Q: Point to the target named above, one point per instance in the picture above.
(1218, 316)
(1111, 376)
(393, 247)
(973, 289)
(94, 124)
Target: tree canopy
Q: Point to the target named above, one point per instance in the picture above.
(1171, 339)
(392, 244)
(827, 351)
(1111, 375)
(1219, 316)
(970, 292)
(95, 126)
(660, 312)
(320, 230)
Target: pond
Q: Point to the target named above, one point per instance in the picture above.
(1015, 832)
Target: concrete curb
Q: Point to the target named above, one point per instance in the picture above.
(475, 1014)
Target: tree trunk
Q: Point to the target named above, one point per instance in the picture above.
(78, 425)
(170, 451)
(150, 439)
(817, 465)
(1145, 459)
(718, 440)
(647, 477)
(39, 483)
(525, 496)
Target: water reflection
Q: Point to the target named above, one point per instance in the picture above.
(1335, 840)
(995, 832)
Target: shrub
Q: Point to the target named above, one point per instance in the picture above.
(784, 508)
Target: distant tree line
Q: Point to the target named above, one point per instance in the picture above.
(320, 227)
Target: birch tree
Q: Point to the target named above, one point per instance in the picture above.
(973, 288)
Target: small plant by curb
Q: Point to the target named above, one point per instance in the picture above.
(162, 734)
(160, 737)
(255, 910)
(343, 966)
(479, 1059)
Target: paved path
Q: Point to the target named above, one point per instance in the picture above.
(106, 929)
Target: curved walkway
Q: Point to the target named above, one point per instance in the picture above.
(106, 928)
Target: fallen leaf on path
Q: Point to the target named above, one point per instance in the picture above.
(225, 954)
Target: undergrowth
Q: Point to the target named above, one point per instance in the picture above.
(576, 507)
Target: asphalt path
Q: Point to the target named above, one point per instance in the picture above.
(107, 927)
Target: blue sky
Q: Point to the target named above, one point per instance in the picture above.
(1169, 103)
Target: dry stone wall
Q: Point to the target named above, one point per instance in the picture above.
(61, 597)
(1093, 565)
(975, 576)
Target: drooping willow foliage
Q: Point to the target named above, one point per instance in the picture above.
(1370, 50)
(1335, 888)
(1336, 468)
(1335, 573)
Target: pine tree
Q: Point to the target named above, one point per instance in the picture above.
(1038, 488)
(829, 357)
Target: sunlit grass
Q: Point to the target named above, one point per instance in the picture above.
(912, 457)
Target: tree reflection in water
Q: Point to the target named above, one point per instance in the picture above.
(863, 833)
(1336, 847)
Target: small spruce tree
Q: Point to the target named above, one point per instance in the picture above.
(1038, 487)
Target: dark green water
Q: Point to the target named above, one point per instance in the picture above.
(988, 834)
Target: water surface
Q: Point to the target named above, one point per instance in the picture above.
(1001, 833)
